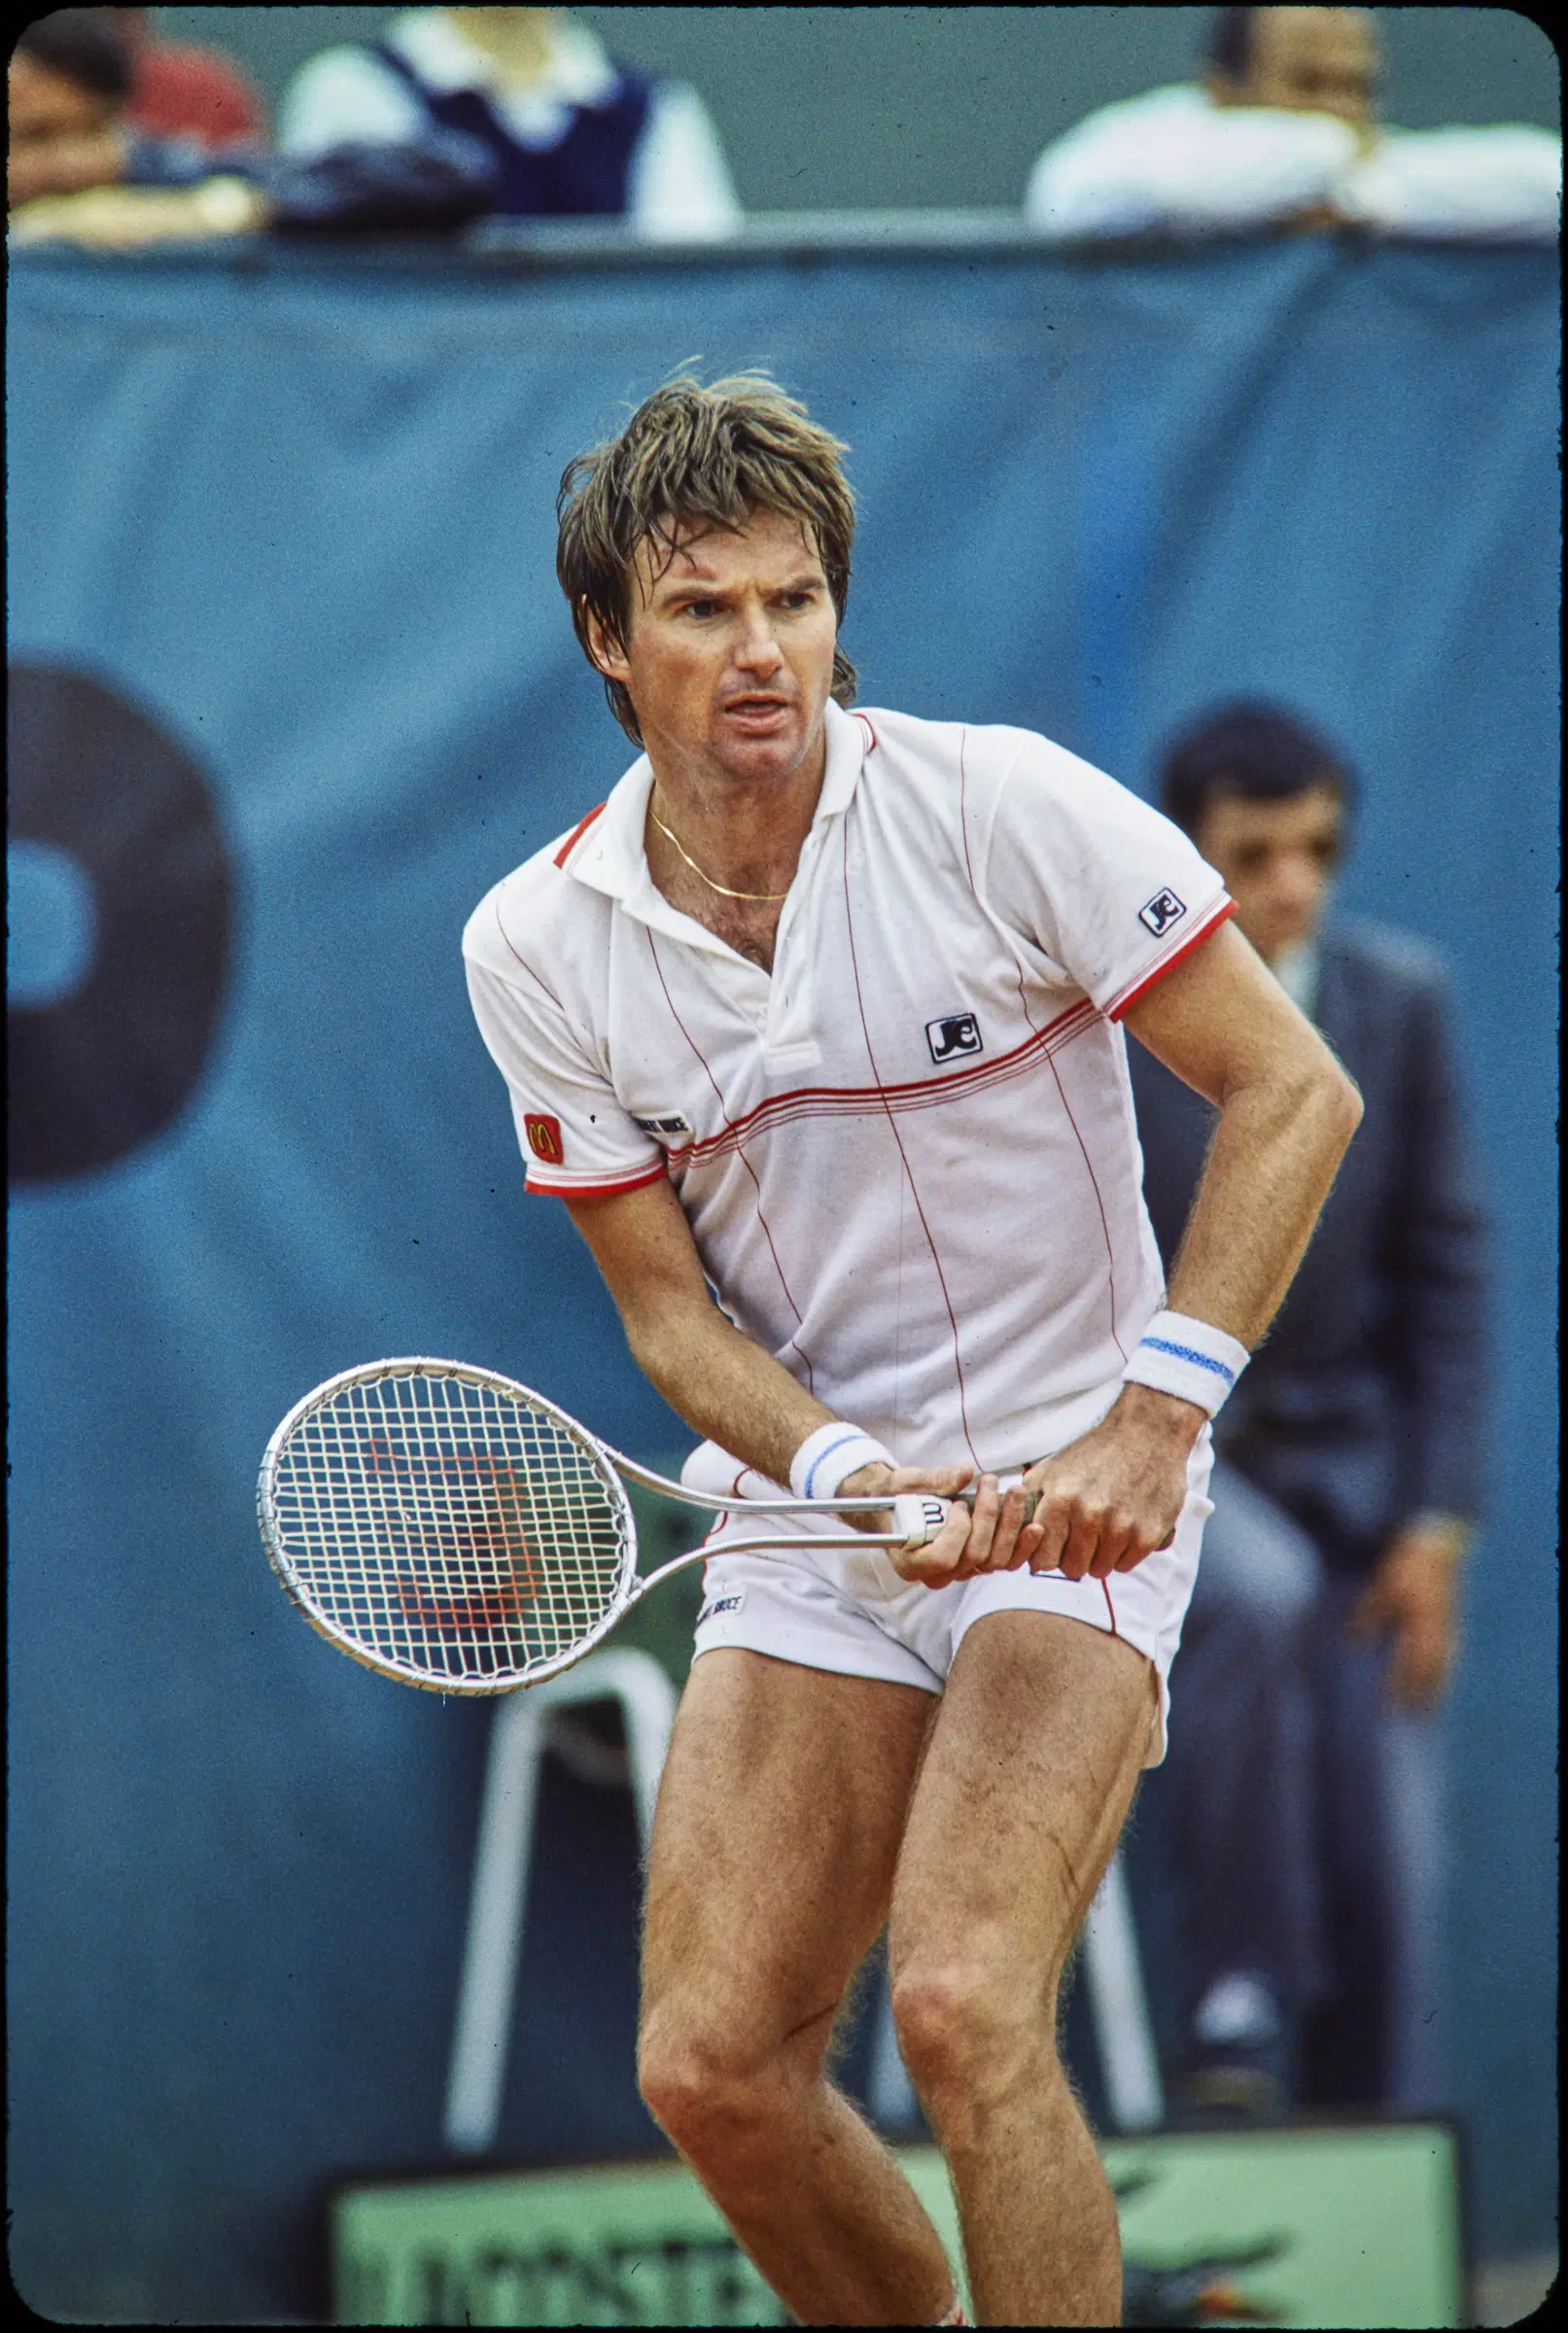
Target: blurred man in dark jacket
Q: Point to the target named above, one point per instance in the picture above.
(1302, 1781)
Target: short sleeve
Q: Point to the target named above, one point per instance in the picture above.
(575, 1137)
(1106, 888)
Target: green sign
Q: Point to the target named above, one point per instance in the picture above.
(1342, 2227)
(1349, 2226)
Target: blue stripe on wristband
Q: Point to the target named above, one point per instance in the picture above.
(1186, 1352)
(808, 1490)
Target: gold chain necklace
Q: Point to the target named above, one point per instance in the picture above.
(772, 897)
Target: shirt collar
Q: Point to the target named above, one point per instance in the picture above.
(610, 857)
(577, 71)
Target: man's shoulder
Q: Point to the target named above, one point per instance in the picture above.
(968, 748)
(539, 903)
(995, 777)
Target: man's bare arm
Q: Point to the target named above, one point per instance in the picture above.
(1224, 1025)
(724, 1385)
(65, 165)
(1287, 1110)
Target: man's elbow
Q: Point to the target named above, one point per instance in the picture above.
(648, 1341)
(1339, 1100)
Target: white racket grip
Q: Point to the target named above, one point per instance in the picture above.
(919, 1518)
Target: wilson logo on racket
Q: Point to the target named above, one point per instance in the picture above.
(483, 1531)
(544, 1139)
(477, 1615)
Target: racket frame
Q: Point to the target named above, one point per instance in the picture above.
(610, 1465)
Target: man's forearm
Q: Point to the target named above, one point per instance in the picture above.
(722, 1384)
(726, 1387)
(1287, 1110)
(1272, 1161)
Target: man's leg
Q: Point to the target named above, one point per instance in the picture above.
(1027, 1782)
(779, 1815)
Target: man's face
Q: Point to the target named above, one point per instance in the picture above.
(1312, 60)
(728, 656)
(1276, 860)
(44, 106)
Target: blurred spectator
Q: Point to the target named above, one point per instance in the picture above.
(1282, 130)
(79, 170)
(1301, 1786)
(180, 91)
(573, 133)
(68, 86)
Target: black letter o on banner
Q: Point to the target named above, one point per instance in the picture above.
(103, 1070)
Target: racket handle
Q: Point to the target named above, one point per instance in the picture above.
(919, 1516)
(1031, 1500)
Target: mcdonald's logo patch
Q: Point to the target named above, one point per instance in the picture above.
(544, 1139)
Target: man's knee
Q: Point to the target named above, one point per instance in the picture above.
(971, 2032)
(706, 2092)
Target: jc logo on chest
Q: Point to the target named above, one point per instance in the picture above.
(953, 1032)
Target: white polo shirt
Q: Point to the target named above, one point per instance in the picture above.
(908, 1156)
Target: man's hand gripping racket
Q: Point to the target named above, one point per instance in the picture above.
(450, 1528)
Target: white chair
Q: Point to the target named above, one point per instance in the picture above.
(517, 1741)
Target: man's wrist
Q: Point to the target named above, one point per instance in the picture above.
(1168, 1414)
(1192, 1359)
(827, 1457)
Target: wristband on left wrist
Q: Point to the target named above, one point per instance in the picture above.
(826, 1458)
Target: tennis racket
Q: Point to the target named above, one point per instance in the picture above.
(448, 1527)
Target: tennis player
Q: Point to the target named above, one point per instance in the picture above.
(820, 1016)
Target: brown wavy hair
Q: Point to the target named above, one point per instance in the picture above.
(698, 456)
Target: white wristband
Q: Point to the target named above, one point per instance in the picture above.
(829, 1456)
(1189, 1358)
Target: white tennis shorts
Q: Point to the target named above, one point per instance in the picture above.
(841, 1610)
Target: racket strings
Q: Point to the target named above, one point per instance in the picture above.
(447, 1528)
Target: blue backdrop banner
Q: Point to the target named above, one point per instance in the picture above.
(292, 686)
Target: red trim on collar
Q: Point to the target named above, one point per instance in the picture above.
(575, 836)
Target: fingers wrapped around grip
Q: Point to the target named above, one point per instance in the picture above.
(1083, 1539)
(1037, 1532)
(1101, 1504)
